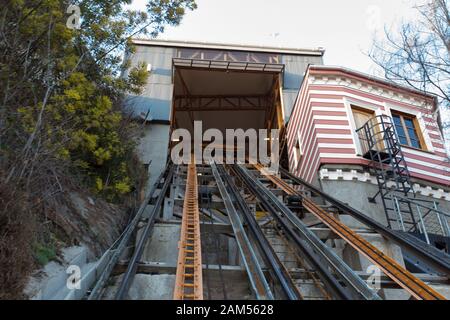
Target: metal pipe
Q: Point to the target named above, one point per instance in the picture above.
(424, 229)
(438, 216)
(399, 213)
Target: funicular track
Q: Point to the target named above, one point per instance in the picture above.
(276, 268)
(118, 248)
(424, 254)
(188, 281)
(390, 267)
(338, 278)
(328, 272)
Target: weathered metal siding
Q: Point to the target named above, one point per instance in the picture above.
(157, 95)
(295, 67)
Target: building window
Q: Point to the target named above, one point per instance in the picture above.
(408, 130)
(361, 116)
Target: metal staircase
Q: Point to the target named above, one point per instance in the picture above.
(404, 211)
(380, 144)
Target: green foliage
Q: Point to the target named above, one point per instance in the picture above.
(44, 253)
(62, 89)
(61, 119)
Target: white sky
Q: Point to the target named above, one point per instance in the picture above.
(345, 28)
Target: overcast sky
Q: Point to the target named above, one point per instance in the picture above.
(344, 28)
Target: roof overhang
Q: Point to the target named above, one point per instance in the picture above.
(207, 90)
(202, 64)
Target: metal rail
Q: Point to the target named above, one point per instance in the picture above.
(254, 271)
(396, 272)
(390, 267)
(311, 273)
(277, 268)
(188, 281)
(133, 263)
(427, 254)
(119, 246)
(322, 258)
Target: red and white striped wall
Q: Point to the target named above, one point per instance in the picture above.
(322, 122)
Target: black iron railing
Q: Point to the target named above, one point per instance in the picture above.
(378, 135)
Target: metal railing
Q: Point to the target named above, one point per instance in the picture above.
(378, 134)
(429, 219)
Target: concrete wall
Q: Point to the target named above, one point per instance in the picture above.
(294, 71)
(356, 193)
(153, 149)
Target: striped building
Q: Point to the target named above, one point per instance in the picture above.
(323, 144)
(333, 102)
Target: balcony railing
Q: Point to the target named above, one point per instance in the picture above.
(378, 138)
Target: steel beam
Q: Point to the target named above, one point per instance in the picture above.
(278, 270)
(317, 253)
(256, 276)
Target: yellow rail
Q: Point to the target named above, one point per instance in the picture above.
(390, 267)
(188, 281)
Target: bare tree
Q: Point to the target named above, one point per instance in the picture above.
(419, 54)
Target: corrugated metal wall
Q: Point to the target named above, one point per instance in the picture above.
(295, 67)
(158, 91)
(157, 95)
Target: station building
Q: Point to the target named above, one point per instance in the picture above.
(371, 144)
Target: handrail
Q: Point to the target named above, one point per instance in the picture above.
(133, 264)
(119, 245)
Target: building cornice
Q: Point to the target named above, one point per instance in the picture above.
(356, 175)
(335, 75)
(231, 47)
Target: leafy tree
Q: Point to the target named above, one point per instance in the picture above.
(418, 55)
(61, 93)
(61, 90)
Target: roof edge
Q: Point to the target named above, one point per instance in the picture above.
(234, 47)
(376, 79)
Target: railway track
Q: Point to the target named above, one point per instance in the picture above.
(424, 255)
(188, 280)
(338, 277)
(390, 267)
(276, 267)
(268, 277)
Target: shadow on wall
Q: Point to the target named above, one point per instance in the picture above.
(139, 106)
(162, 72)
(292, 81)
